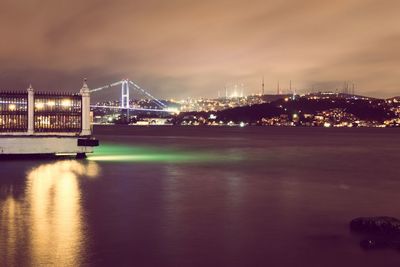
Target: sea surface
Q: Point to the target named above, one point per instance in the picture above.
(203, 196)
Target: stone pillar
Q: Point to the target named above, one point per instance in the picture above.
(31, 109)
(85, 93)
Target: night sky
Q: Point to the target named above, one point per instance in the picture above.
(195, 48)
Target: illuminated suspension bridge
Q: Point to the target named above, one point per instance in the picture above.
(125, 98)
(49, 112)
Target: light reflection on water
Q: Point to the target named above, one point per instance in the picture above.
(10, 230)
(273, 198)
(51, 210)
(110, 152)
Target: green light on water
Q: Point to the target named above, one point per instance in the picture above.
(121, 153)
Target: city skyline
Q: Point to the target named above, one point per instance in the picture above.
(180, 48)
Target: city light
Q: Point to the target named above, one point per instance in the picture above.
(173, 110)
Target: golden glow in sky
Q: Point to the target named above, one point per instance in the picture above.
(180, 48)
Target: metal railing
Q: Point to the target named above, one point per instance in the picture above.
(48, 112)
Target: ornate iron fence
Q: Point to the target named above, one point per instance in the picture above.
(57, 113)
(13, 112)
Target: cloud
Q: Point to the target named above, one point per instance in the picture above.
(179, 48)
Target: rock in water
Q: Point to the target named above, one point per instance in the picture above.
(376, 225)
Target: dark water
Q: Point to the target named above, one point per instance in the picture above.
(203, 197)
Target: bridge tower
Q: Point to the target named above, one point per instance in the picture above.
(125, 94)
(125, 97)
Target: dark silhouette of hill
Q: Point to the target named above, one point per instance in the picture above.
(363, 109)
